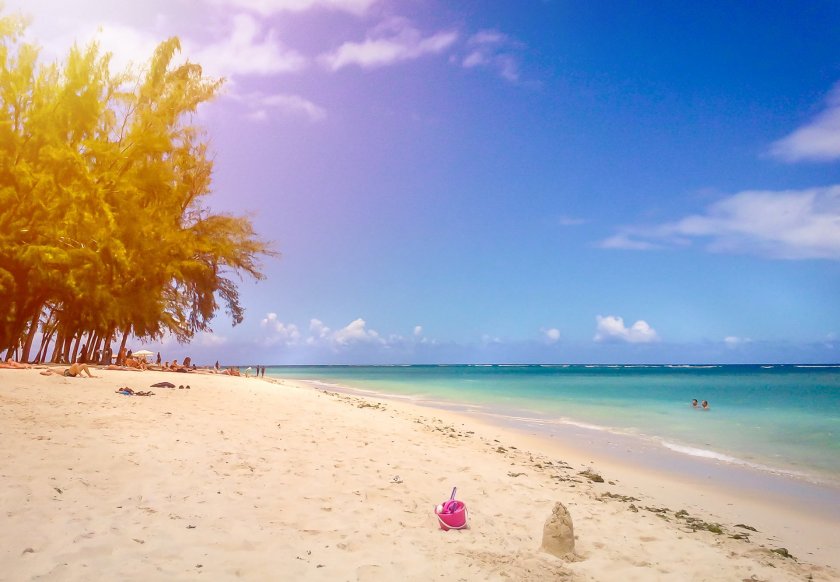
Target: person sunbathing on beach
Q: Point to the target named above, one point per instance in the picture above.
(10, 363)
(138, 363)
(73, 371)
(176, 367)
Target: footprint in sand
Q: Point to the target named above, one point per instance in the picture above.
(369, 572)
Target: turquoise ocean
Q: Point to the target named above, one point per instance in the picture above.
(781, 420)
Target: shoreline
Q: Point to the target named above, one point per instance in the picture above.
(647, 466)
(239, 477)
(755, 426)
(812, 492)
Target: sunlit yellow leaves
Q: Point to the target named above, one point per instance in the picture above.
(102, 177)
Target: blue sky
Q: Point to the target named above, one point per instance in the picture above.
(519, 181)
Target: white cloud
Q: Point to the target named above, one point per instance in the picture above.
(551, 335)
(612, 328)
(208, 339)
(246, 51)
(288, 334)
(394, 41)
(570, 221)
(733, 341)
(318, 331)
(356, 332)
(269, 7)
(490, 48)
(128, 46)
(261, 106)
(625, 242)
(819, 140)
(294, 104)
(791, 224)
(418, 330)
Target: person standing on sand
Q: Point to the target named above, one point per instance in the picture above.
(158, 359)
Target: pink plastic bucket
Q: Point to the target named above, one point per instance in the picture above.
(452, 515)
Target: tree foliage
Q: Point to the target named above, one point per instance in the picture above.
(102, 179)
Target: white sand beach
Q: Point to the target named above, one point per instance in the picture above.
(240, 478)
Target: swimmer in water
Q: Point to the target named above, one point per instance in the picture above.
(694, 403)
(705, 405)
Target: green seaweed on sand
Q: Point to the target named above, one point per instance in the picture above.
(784, 553)
(592, 476)
(698, 524)
(625, 498)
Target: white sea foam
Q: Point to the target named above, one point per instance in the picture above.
(715, 456)
(322, 384)
(554, 422)
(704, 453)
(818, 366)
(371, 393)
(588, 426)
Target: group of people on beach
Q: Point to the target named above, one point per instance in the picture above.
(126, 361)
(702, 406)
(260, 372)
(75, 369)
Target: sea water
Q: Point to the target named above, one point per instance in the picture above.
(778, 419)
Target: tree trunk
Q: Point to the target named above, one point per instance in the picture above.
(30, 337)
(107, 351)
(59, 345)
(66, 350)
(124, 341)
(46, 337)
(93, 347)
(73, 352)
